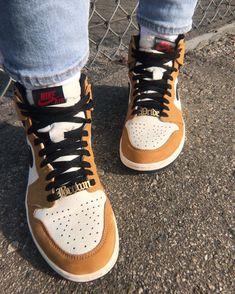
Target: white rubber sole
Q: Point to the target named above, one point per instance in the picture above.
(155, 165)
(78, 278)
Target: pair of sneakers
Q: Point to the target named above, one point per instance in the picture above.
(69, 215)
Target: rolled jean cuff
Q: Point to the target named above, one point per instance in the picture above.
(161, 28)
(31, 82)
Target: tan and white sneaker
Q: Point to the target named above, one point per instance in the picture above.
(69, 215)
(154, 132)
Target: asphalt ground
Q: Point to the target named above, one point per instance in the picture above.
(176, 225)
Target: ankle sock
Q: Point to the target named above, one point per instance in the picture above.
(148, 32)
(149, 39)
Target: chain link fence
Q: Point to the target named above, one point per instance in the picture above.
(112, 22)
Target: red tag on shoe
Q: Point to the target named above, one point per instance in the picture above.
(164, 46)
(48, 96)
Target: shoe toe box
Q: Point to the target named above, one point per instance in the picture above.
(75, 223)
(77, 236)
(148, 132)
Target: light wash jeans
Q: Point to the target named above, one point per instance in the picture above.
(46, 42)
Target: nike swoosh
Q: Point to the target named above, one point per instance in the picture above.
(30, 156)
(47, 101)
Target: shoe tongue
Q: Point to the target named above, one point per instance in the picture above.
(59, 96)
(155, 44)
(164, 46)
(158, 45)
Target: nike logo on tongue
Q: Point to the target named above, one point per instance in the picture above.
(48, 96)
(164, 46)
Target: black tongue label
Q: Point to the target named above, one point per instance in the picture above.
(164, 46)
(48, 96)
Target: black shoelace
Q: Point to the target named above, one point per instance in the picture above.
(71, 145)
(156, 99)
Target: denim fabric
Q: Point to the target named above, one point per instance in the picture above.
(46, 42)
(43, 42)
(166, 17)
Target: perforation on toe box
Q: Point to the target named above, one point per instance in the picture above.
(148, 132)
(76, 222)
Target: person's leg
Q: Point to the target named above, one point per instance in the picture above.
(168, 17)
(44, 45)
(43, 42)
(154, 131)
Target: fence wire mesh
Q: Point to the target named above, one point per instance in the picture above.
(112, 22)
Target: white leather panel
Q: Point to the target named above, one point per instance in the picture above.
(149, 132)
(76, 222)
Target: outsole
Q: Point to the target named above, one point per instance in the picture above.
(77, 278)
(155, 166)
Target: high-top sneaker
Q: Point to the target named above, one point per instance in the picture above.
(69, 215)
(153, 135)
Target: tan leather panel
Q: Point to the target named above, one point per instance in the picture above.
(77, 264)
(90, 159)
(181, 46)
(37, 196)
